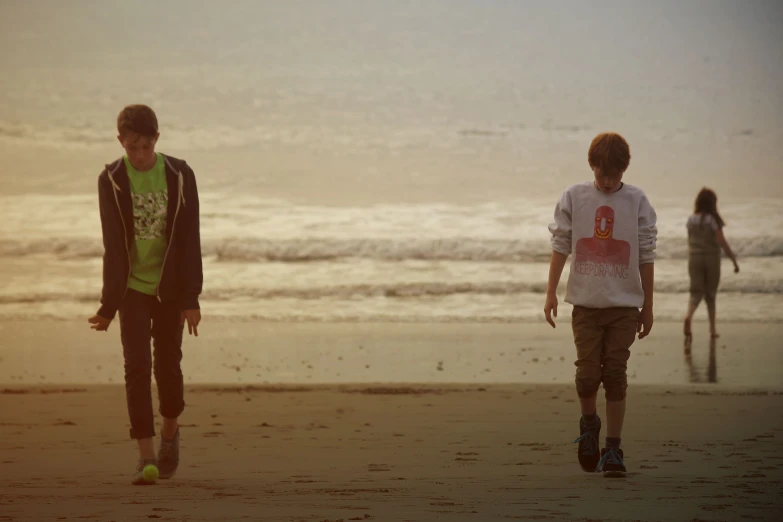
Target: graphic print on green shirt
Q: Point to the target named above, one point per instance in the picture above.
(149, 194)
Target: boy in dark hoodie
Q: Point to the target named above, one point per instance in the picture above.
(152, 275)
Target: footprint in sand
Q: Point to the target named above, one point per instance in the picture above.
(466, 457)
(541, 448)
(716, 507)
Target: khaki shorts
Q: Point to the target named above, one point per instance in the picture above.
(603, 338)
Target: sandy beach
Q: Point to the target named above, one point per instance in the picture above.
(376, 182)
(292, 450)
(417, 453)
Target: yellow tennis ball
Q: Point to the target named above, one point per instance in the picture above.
(150, 473)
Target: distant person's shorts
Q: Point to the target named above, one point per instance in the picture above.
(705, 276)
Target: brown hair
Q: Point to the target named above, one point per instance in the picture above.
(707, 205)
(610, 152)
(137, 119)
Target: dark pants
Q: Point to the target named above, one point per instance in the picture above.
(143, 317)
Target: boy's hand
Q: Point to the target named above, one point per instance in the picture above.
(193, 317)
(645, 322)
(550, 308)
(99, 324)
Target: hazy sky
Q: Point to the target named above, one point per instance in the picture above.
(706, 71)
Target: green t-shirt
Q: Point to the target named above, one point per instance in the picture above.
(149, 193)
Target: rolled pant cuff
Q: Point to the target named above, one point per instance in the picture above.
(585, 392)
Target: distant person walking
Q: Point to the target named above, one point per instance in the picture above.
(705, 241)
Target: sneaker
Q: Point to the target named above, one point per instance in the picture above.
(588, 444)
(168, 456)
(611, 463)
(138, 477)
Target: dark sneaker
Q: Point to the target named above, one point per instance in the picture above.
(611, 463)
(588, 444)
(139, 479)
(168, 456)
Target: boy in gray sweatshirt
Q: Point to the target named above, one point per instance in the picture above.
(610, 228)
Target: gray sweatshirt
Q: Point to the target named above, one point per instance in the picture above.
(610, 235)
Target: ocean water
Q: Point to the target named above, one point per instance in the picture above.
(439, 262)
(389, 161)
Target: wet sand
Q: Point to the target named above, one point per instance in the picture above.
(416, 453)
(277, 428)
(60, 352)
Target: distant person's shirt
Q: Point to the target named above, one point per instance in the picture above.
(609, 235)
(701, 235)
(149, 194)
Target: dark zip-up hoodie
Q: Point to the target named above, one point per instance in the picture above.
(181, 277)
